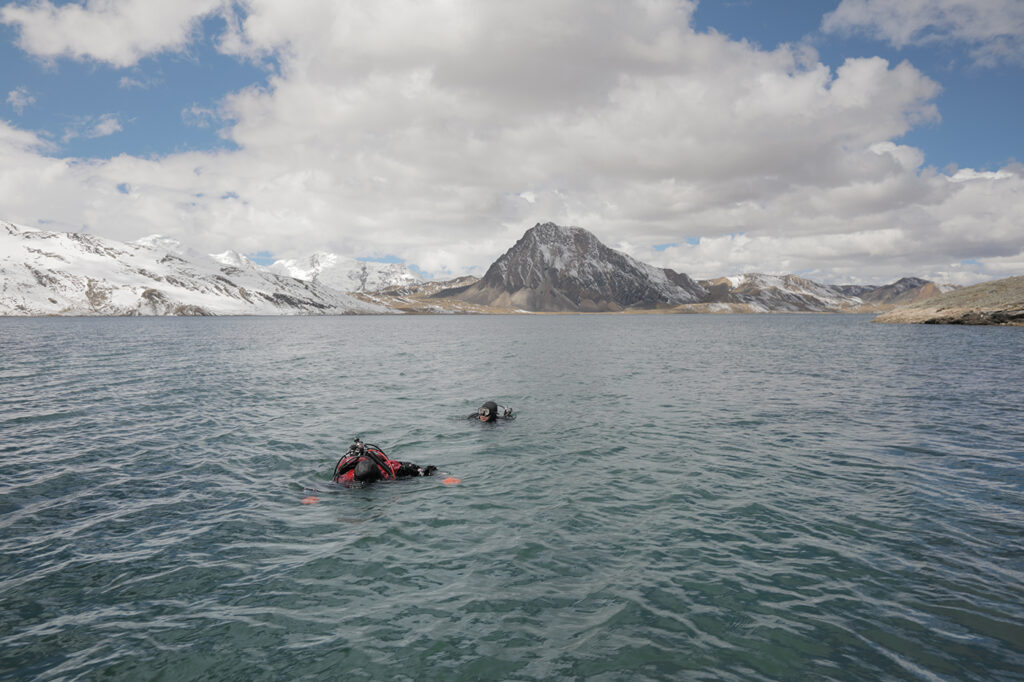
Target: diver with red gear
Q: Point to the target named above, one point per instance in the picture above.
(366, 463)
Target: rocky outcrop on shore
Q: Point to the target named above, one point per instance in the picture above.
(999, 302)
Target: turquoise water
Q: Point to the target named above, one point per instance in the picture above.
(682, 497)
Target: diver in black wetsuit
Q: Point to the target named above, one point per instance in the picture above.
(491, 412)
(366, 463)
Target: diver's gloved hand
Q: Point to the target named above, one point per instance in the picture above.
(427, 471)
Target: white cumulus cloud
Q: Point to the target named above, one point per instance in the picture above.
(19, 99)
(108, 124)
(119, 32)
(92, 127)
(994, 29)
(197, 116)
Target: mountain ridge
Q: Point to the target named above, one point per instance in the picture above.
(68, 273)
(345, 274)
(567, 269)
(549, 269)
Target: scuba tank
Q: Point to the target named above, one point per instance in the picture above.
(366, 460)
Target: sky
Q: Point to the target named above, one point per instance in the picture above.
(847, 141)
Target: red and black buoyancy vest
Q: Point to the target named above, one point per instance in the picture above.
(344, 471)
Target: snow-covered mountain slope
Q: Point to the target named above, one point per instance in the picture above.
(62, 273)
(554, 268)
(779, 293)
(754, 292)
(346, 274)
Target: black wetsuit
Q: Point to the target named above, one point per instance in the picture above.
(491, 412)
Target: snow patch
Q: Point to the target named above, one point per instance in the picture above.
(66, 273)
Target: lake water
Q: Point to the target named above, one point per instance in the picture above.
(681, 497)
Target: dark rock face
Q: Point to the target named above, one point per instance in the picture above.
(560, 269)
(981, 317)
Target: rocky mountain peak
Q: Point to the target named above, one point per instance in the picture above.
(233, 259)
(556, 268)
(570, 250)
(906, 283)
(550, 233)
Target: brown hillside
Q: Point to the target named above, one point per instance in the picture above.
(997, 302)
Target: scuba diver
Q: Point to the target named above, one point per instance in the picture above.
(366, 463)
(491, 412)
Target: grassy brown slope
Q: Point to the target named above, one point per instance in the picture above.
(998, 302)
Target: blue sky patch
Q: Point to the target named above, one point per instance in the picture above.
(261, 257)
(167, 103)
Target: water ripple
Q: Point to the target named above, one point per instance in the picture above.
(697, 497)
